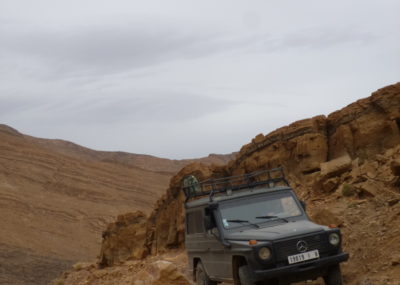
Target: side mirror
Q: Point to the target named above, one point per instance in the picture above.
(303, 204)
(208, 223)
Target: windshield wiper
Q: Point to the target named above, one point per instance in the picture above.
(272, 217)
(243, 221)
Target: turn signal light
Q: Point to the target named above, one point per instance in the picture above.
(252, 242)
(333, 226)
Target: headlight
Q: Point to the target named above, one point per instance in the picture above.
(334, 239)
(264, 253)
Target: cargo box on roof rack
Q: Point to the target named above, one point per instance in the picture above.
(193, 188)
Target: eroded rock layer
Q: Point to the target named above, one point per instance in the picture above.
(366, 127)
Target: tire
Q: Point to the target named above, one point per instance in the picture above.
(244, 276)
(201, 276)
(334, 276)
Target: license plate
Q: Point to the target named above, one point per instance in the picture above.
(303, 256)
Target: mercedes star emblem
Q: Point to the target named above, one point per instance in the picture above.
(302, 246)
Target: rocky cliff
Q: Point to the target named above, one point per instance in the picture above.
(347, 162)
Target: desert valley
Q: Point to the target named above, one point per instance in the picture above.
(117, 218)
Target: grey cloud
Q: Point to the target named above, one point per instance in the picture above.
(107, 49)
(111, 48)
(162, 107)
(12, 105)
(158, 108)
(321, 39)
(315, 39)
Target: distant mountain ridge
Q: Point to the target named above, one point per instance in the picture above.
(144, 161)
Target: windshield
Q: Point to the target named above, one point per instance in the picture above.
(259, 209)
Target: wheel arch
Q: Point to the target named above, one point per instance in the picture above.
(237, 261)
(196, 261)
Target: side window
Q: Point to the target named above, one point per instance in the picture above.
(194, 222)
(209, 219)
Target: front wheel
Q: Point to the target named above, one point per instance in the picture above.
(201, 276)
(244, 276)
(334, 276)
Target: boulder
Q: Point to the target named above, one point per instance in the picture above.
(367, 189)
(336, 166)
(330, 184)
(371, 169)
(160, 273)
(326, 217)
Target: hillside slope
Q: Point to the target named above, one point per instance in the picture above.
(56, 198)
(346, 166)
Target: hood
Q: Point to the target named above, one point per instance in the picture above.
(277, 231)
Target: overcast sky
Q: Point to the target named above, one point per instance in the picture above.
(183, 79)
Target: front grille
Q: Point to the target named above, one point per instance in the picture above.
(284, 248)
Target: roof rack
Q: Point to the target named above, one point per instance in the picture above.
(195, 189)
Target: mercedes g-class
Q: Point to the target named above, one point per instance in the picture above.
(252, 229)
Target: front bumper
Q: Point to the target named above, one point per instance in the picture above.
(309, 267)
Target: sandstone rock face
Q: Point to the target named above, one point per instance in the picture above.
(299, 147)
(166, 223)
(124, 239)
(366, 127)
(164, 229)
